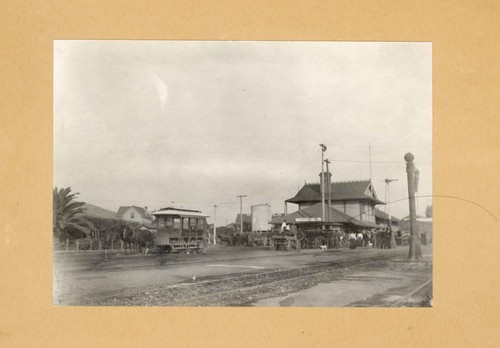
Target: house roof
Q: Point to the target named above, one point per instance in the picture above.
(149, 226)
(340, 191)
(381, 215)
(98, 212)
(123, 209)
(316, 211)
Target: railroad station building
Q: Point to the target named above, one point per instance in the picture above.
(382, 219)
(352, 203)
(354, 198)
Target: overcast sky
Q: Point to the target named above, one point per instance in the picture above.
(197, 123)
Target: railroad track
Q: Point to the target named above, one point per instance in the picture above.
(405, 299)
(136, 261)
(236, 290)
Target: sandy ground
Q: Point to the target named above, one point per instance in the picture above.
(387, 284)
(364, 289)
(85, 276)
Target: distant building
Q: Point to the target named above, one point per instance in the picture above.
(354, 198)
(423, 226)
(134, 214)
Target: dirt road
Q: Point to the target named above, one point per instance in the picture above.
(89, 279)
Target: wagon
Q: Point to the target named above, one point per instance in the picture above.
(284, 242)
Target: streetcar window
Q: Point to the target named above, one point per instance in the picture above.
(168, 221)
(177, 223)
(161, 222)
(185, 223)
(201, 224)
(192, 222)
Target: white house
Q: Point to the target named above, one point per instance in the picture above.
(134, 214)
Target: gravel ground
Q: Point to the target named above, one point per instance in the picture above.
(244, 290)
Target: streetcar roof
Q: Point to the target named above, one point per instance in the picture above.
(180, 212)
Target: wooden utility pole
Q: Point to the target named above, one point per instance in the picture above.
(370, 153)
(322, 185)
(241, 212)
(215, 220)
(328, 189)
(414, 253)
(388, 211)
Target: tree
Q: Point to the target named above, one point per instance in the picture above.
(428, 211)
(67, 213)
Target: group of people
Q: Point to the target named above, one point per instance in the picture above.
(383, 238)
(360, 239)
(379, 238)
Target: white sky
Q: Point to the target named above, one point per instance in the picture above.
(197, 123)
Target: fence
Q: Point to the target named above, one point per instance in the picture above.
(88, 245)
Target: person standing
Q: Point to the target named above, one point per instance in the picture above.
(366, 239)
(352, 240)
(360, 239)
(284, 226)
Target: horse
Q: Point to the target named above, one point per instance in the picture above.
(127, 236)
(136, 239)
(107, 237)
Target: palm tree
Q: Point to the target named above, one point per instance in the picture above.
(67, 213)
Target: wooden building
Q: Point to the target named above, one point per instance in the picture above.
(354, 198)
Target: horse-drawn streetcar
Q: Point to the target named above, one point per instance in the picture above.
(180, 229)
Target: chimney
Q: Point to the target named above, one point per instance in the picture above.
(146, 210)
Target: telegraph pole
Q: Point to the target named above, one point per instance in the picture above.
(322, 185)
(370, 153)
(241, 212)
(414, 252)
(387, 202)
(328, 188)
(215, 220)
(388, 199)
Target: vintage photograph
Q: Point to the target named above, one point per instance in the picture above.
(242, 173)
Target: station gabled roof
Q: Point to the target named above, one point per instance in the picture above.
(339, 191)
(316, 211)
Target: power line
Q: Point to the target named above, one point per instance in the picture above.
(362, 161)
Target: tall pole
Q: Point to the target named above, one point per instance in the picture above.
(414, 252)
(322, 185)
(328, 189)
(387, 208)
(215, 220)
(241, 212)
(370, 153)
